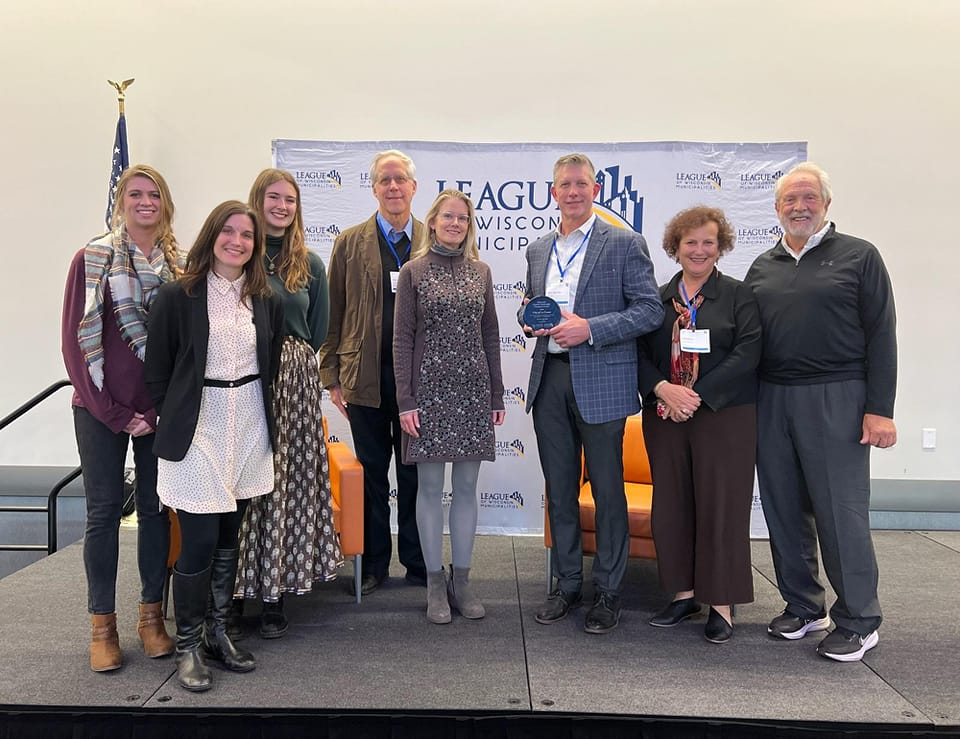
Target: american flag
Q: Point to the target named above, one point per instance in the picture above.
(120, 161)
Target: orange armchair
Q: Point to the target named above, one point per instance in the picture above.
(638, 487)
(346, 482)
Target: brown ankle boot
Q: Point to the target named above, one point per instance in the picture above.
(153, 633)
(104, 643)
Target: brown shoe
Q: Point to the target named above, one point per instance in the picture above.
(104, 643)
(153, 633)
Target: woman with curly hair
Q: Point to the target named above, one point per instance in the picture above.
(698, 376)
(288, 541)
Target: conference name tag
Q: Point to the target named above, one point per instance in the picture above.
(696, 341)
(394, 281)
(560, 293)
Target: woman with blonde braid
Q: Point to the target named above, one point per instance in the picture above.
(288, 542)
(110, 287)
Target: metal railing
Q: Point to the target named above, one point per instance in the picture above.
(51, 507)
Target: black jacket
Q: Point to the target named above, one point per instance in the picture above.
(176, 358)
(728, 373)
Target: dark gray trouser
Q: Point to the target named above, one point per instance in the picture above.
(103, 455)
(376, 436)
(561, 433)
(815, 482)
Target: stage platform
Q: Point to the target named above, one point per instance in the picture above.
(380, 669)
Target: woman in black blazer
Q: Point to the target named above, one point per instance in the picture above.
(213, 347)
(698, 376)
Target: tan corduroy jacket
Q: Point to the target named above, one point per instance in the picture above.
(350, 355)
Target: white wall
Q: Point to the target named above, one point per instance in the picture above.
(870, 85)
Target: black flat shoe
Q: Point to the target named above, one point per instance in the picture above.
(675, 612)
(717, 629)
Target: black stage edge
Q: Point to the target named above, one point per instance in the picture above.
(53, 724)
(381, 670)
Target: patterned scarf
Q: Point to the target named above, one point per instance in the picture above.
(116, 262)
(684, 366)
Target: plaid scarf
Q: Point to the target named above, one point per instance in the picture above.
(115, 261)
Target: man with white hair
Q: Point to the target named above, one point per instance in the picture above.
(828, 378)
(356, 363)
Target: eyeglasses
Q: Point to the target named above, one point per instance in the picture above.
(451, 217)
(400, 180)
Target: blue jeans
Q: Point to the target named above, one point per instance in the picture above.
(103, 455)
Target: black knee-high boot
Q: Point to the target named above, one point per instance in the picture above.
(189, 605)
(216, 642)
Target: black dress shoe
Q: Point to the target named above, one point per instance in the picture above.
(558, 605)
(675, 612)
(416, 576)
(717, 629)
(368, 583)
(604, 615)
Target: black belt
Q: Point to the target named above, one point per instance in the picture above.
(207, 382)
(562, 356)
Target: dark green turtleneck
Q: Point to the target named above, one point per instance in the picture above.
(307, 311)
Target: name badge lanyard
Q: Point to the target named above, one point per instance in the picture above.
(562, 269)
(390, 245)
(690, 306)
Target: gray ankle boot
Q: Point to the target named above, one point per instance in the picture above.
(461, 596)
(438, 609)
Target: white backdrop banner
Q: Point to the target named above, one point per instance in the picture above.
(642, 185)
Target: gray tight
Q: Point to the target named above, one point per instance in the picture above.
(463, 512)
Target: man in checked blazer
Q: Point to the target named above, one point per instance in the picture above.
(583, 382)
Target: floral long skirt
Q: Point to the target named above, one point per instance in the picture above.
(287, 541)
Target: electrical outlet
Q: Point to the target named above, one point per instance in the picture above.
(928, 438)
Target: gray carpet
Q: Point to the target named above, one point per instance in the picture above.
(384, 655)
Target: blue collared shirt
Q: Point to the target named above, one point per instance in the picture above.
(393, 236)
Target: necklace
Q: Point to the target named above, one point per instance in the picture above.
(271, 264)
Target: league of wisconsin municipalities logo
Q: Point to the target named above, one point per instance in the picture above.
(321, 234)
(509, 292)
(512, 449)
(513, 344)
(501, 499)
(759, 236)
(759, 180)
(516, 397)
(318, 179)
(698, 181)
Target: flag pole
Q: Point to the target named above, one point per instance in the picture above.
(120, 159)
(121, 88)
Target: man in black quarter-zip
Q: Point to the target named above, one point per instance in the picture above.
(828, 378)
